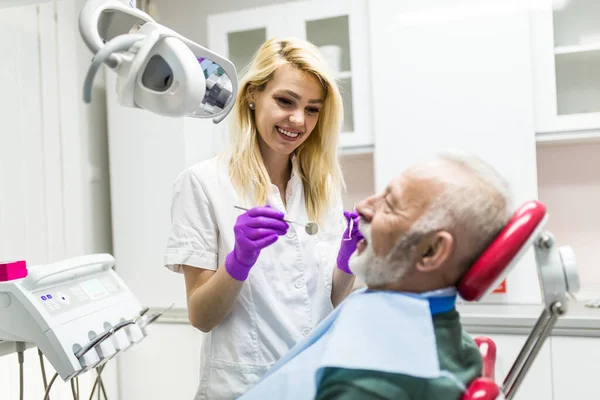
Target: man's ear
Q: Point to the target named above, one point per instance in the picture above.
(434, 250)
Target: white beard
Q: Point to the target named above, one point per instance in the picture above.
(378, 271)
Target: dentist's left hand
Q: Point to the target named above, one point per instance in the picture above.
(349, 241)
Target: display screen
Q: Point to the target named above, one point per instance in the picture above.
(94, 289)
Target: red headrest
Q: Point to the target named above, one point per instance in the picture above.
(504, 252)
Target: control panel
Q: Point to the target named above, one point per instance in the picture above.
(67, 297)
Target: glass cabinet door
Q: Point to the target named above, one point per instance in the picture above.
(332, 37)
(242, 46)
(237, 35)
(566, 68)
(337, 28)
(577, 56)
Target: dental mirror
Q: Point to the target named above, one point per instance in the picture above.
(310, 228)
(350, 226)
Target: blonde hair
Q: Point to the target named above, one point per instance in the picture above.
(317, 157)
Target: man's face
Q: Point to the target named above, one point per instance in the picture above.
(388, 250)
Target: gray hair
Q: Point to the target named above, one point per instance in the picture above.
(474, 210)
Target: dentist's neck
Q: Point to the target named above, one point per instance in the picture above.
(279, 166)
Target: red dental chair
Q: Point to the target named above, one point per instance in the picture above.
(557, 272)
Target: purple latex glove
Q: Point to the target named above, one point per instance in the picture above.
(349, 241)
(254, 230)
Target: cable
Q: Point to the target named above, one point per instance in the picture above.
(102, 387)
(97, 382)
(21, 347)
(47, 394)
(73, 389)
(119, 43)
(43, 368)
(21, 361)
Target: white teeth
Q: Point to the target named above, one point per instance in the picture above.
(287, 133)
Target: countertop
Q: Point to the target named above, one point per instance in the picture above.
(515, 319)
(520, 319)
(492, 318)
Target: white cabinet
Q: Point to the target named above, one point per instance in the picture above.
(337, 27)
(538, 381)
(165, 365)
(566, 55)
(575, 367)
(456, 77)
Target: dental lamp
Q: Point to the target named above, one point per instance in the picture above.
(157, 69)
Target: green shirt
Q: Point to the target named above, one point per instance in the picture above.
(457, 353)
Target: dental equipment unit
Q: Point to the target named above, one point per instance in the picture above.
(78, 312)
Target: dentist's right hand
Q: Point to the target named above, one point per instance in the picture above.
(254, 230)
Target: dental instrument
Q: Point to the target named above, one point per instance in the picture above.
(350, 225)
(310, 227)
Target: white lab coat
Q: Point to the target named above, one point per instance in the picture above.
(287, 292)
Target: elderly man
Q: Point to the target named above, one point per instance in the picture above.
(401, 338)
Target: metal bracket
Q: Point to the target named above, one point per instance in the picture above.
(531, 348)
(557, 271)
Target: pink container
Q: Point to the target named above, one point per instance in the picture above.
(12, 270)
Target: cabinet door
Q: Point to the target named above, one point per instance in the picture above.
(538, 381)
(237, 35)
(575, 367)
(458, 78)
(338, 29)
(165, 365)
(566, 56)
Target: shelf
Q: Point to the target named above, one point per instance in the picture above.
(343, 74)
(567, 137)
(580, 48)
(349, 151)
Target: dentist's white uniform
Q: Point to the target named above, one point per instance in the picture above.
(287, 292)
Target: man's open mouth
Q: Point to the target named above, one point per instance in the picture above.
(361, 246)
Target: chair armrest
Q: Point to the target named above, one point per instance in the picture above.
(482, 389)
(487, 348)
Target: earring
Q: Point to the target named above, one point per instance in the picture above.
(251, 105)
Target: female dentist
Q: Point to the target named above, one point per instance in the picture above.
(255, 283)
